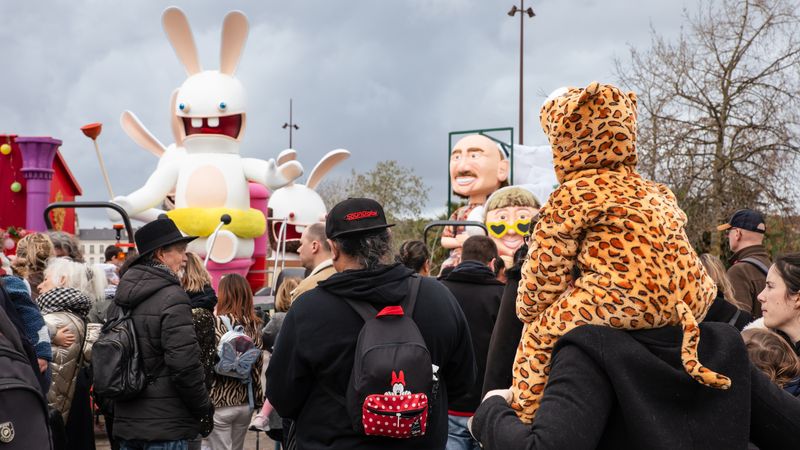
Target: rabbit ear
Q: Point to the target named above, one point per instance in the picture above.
(286, 156)
(234, 35)
(139, 134)
(180, 36)
(327, 163)
(175, 121)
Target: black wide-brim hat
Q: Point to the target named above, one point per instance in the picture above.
(157, 234)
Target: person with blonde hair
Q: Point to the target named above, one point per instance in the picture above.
(196, 281)
(775, 357)
(267, 420)
(725, 307)
(33, 251)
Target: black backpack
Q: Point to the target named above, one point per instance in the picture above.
(392, 384)
(23, 409)
(117, 367)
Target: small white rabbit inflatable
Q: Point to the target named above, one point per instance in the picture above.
(297, 205)
(203, 167)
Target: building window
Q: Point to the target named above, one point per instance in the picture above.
(91, 249)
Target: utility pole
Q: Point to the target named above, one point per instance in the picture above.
(290, 125)
(522, 12)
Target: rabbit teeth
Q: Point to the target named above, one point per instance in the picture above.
(197, 122)
(213, 122)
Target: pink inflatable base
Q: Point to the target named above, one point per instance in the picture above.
(217, 271)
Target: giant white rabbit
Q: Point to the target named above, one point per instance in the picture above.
(203, 168)
(296, 206)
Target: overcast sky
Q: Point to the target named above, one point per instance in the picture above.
(383, 79)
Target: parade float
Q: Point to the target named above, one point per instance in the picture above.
(201, 178)
(33, 173)
(482, 163)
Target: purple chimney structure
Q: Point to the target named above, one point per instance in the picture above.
(37, 169)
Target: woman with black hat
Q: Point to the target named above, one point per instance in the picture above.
(168, 412)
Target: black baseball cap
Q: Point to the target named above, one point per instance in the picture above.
(746, 219)
(355, 216)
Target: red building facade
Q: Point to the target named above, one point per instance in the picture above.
(13, 205)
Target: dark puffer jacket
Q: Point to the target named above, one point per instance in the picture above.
(170, 408)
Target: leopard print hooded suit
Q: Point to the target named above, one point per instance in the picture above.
(624, 233)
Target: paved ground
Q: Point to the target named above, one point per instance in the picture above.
(264, 443)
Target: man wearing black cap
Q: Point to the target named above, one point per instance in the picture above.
(167, 413)
(313, 357)
(750, 261)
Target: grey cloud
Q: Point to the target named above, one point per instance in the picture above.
(386, 80)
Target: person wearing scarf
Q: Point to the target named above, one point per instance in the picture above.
(65, 310)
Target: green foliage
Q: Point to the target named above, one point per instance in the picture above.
(401, 193)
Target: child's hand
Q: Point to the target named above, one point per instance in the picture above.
(505, 393)
(63, 337)
(43, 364)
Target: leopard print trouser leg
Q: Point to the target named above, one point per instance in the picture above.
(530, 371)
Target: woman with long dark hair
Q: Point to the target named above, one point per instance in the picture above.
(780, 299)
(232, 397)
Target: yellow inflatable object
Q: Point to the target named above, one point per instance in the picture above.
(201, 222)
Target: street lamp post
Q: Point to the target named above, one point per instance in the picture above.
(522, 12)
(290, 125)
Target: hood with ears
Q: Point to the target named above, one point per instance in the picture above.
(590, 128)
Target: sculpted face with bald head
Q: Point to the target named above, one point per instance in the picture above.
(477, 168)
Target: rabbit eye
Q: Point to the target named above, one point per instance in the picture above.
(223, 106)
(183, 107)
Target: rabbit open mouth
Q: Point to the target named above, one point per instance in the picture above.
(291, 231)
(225, 125)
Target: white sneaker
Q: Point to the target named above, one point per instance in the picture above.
(259, 423)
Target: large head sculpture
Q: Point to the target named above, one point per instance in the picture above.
(510, 213)
(477, 168)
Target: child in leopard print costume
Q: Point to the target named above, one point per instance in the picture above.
(625, 234)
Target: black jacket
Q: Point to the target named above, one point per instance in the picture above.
(612, 389)
(478, 292)
(724, 311)
(171, 406)
(7, 306)
(505, 337)
(203, 303)
(314, 353)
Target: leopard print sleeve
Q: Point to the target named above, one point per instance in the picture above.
(546, 273)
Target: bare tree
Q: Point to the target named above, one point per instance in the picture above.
(401, 193)
(718, 111)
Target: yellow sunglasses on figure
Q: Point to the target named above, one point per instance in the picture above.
(500, 229)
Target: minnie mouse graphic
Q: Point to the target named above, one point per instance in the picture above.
(398, 385)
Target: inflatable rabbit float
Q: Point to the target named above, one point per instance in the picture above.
(203, 167)
(297, 205)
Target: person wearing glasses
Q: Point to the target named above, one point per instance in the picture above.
(510, 215)
(750, 261)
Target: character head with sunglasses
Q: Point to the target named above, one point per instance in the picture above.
(510, 216)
